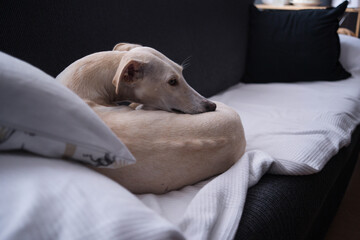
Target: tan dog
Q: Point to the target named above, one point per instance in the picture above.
(171, 150)
(137, 74)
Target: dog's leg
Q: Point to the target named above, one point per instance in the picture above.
(135, 105)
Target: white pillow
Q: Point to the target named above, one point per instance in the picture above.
(40, 115)
(350, 54)
(54, 199)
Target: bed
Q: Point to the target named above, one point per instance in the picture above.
(292, 130)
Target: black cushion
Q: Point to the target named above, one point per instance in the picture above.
(52, 35)
(291, 46)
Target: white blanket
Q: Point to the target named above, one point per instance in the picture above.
(291, 129)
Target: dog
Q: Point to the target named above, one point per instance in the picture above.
(171, 150)
(137, 74)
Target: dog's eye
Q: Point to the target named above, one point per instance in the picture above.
(173, 82)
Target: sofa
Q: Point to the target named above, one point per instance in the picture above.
(279, 199)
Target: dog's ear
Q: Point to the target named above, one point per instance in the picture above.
(128, 72)
(125, 46)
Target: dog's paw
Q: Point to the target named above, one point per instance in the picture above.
(145, 107)
(134, 105)
(139, 106)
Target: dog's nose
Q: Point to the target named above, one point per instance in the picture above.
(209, 106)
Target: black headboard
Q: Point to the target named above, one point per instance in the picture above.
(53, 34)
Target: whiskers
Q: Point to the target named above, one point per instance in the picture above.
(186, 63)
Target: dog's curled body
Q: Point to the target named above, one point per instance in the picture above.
(173, 150)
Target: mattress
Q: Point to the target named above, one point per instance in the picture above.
(291, 129)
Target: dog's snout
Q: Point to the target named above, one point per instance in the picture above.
(209, 106)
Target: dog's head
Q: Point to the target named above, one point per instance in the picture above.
(152, 79)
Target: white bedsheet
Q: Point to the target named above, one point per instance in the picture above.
(290, 129)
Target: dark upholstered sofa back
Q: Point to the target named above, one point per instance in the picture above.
(51, 35)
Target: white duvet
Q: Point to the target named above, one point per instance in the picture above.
(290, 129)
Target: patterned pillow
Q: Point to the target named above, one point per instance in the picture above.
(39, 115)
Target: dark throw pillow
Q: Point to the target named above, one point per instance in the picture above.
(292, 46)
